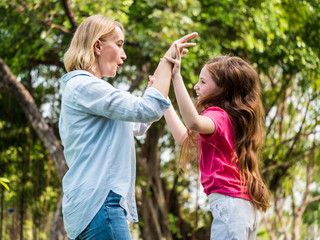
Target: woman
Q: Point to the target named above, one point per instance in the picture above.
(97, 133)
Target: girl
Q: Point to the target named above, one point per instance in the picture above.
(96, 131)
(227, 125)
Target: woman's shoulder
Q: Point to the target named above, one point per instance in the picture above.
(81, 78)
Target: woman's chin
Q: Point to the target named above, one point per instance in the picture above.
(114, 74)
(110, 75)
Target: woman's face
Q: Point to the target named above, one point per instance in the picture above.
(206, 85)
(110, 55)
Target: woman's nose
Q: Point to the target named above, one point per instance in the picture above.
(195, 87)
(123, 55)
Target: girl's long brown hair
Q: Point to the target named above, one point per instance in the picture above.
(239, 96)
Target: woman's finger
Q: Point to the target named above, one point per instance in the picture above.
(184, 51)
(188, 37)
(184, 45)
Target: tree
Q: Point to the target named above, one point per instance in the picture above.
(280, 38)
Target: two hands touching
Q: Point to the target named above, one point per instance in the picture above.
(192, 120)
(167, 72)
(175, 61)
(173, 55)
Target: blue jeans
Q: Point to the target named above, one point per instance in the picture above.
(110, 223)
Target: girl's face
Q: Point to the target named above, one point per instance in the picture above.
(110, 55)
(206, 85)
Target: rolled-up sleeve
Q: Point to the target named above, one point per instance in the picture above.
(98, 97)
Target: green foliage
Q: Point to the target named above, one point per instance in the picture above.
(279, 37)
(173, 225)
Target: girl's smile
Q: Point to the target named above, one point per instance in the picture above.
(206, 85)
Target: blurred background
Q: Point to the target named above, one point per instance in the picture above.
(280, 38)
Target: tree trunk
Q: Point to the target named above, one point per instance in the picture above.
(153, 210)
(58, 232)
(22, 196)
(298, 212)
(50, 141)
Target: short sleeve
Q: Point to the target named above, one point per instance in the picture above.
(220, 119)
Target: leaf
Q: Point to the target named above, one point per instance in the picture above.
(3, 182)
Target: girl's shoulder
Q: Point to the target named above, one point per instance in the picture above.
(214, 109)
(218, 115)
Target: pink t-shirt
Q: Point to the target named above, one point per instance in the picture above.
(218, 173)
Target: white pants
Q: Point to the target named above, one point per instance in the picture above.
(233, 218)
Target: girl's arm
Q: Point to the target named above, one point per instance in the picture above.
(192, 119)
(177, 129)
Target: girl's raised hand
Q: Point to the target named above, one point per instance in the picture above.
(176, 61)
(151, 81)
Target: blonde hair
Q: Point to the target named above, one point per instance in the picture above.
(80, 55)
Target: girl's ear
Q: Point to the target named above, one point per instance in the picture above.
(97, 47)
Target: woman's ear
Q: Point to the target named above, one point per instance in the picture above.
(97, 47)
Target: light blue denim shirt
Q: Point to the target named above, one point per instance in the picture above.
(96, 131)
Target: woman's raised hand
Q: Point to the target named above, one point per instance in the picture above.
(182, 45)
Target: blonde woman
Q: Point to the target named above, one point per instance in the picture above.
(97, 132)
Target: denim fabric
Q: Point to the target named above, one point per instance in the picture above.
(233, 218)
(110, 223)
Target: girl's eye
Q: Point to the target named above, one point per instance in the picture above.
(203, 82)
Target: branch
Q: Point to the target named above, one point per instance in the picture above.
(50, 141)
(305, 135)
(70, 14)
(288, 164)
(279, 94)
(297, 136)
(282, 171)
(314, 199)
(61, 28)
(305, 200)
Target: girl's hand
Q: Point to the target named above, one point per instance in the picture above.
(151, 81)
(176, 62)
(182, 44)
